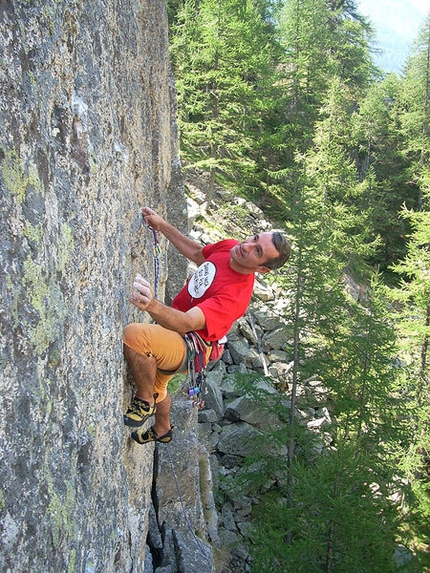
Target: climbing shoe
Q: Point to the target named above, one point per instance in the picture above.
(150, 436)
(139, 411)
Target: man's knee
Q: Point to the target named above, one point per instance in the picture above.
(129, 334)
(136, 338)
(130, 353)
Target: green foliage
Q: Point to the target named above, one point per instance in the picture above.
(412, 299)
(341, 521)
(222, 53)
(281, 101)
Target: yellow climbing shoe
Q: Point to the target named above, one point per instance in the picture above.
(139, 411)
(150, 436)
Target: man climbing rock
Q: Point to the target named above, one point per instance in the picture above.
(216, 295)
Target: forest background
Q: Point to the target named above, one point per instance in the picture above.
(281, 101)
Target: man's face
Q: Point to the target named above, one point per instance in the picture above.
(250, 255)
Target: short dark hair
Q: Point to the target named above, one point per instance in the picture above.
(284, 249)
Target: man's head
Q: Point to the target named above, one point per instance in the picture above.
(261, 253)
(284, 249)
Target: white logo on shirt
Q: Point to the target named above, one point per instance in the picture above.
(201, 279)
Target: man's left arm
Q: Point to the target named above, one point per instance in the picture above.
(186, 246)
(170, 318)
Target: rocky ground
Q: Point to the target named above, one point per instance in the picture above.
(259, 351)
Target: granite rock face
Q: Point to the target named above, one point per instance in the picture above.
(87, 136)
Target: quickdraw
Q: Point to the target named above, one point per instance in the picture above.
(157, 252)
(196, 361)
(156, 261)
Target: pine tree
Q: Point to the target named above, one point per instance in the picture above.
(383, 168)
(415, 289)
(328, 516)
(341, 521)
(415, 99)
(413, 298)
(222, 53)
(322, 40)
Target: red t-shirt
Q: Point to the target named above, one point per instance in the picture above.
(221, 293)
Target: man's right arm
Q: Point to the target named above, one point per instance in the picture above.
(171, 318)
(186, 246)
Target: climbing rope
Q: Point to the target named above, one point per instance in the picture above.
(157, 252)
(190, 527)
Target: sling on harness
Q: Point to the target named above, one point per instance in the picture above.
(197, 361)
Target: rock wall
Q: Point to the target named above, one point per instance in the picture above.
(87, 136)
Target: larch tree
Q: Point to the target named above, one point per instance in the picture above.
(222, 53)
(348, 345)
(384, 169)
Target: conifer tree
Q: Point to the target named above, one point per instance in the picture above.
(349, 346)
(222, 53)
(322, 40)
(341, 520)
(383, 168)
(415, 99)
(414, 291)
(413, 298)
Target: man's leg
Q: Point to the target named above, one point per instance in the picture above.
(162, 417)
(144, 369)
(156, 354)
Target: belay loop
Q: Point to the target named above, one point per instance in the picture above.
(196, 362)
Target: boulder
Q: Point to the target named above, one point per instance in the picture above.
(238, 439)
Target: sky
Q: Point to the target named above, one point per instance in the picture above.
(421, 5)
(369, 6)
(397, 23)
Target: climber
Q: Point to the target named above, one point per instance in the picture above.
(216, 295)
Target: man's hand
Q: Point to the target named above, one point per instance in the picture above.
(171, 318)
(152, 219)
(143, 293)
(186, 246)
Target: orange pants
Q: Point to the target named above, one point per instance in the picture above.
(166, 346)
